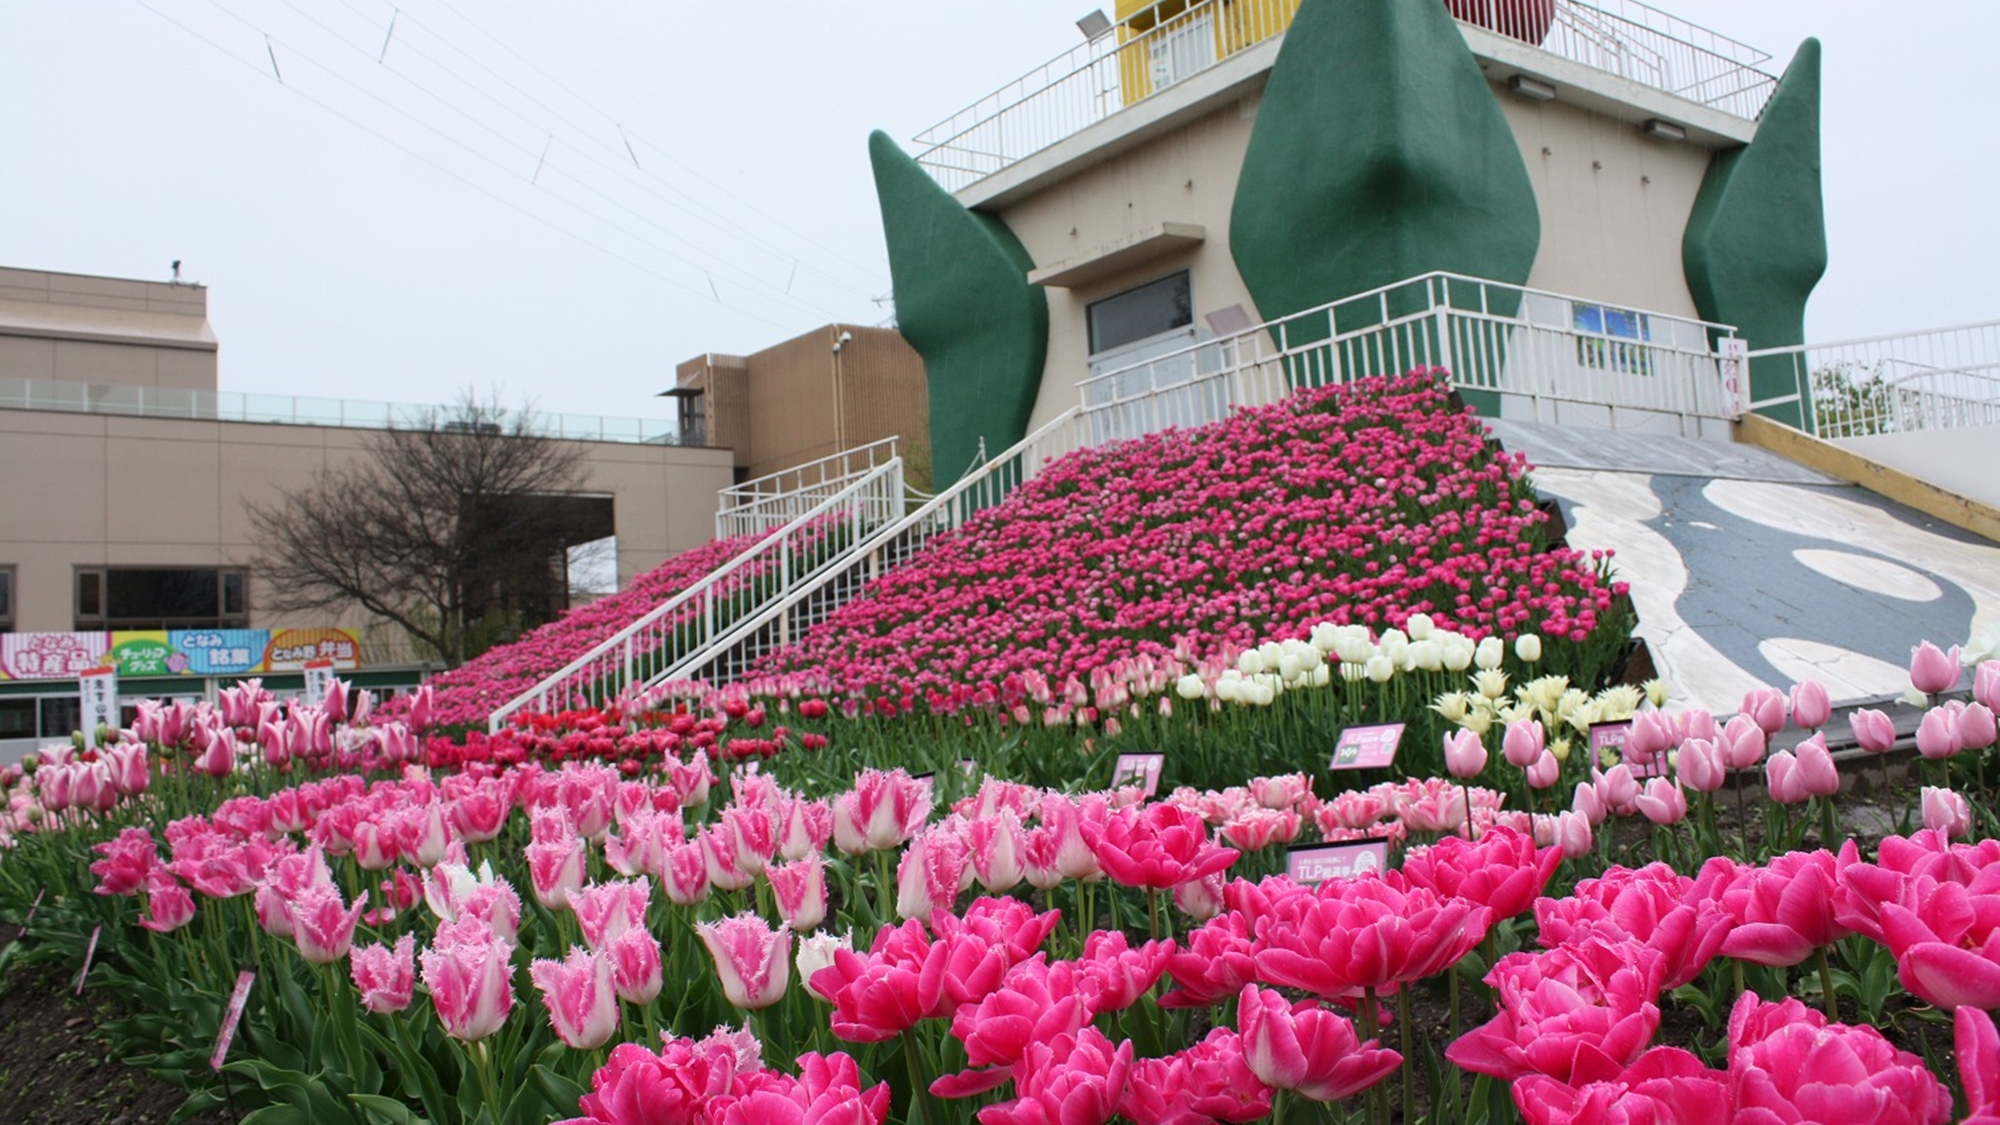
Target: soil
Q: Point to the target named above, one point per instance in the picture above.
(54, 1068)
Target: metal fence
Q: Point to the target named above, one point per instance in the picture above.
(1165, 44)
(1539, 350)
(776, 499)
(293, 410)
(1942, 378)
(820, 539)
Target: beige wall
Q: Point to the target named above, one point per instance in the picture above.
(1187, 175)
(801, 400)
(93, 490)
(1614, 204)
(1956, 460)
(74, 328)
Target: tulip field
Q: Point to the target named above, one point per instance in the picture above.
(1250, 773)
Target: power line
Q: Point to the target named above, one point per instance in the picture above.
(421, 158)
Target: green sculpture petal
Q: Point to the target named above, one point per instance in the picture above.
(1756, 240)
(964, 302)
(1379, 153)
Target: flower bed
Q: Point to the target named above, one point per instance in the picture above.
(1361, 504)
(932, 948)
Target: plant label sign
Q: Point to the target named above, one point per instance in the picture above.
(1316, 863)
(89, 952)
(226, 1034)
(1611, 736)
(97, 691)
(1367, 748)
(1142, 770)
(30, 919)
(319, 681)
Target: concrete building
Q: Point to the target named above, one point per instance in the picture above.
(128, 473)
(829, 390)
(1199, 167)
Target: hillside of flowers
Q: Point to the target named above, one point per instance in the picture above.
(1544, 933)
(1357, 505)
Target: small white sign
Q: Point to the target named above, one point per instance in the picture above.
(319, 681)
(97, 690)
(1317, 863)
(1732, 360)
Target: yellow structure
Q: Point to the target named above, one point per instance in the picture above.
(1162, 43)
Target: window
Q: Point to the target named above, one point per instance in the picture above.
(6, 600)
(1615, 339)
(139, 597)
(1152, 308)
(17, 718)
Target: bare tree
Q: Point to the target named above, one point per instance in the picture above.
(452, 528)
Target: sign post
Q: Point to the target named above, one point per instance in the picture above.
(319, 681)
(97, 691)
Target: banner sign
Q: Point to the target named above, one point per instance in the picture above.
(1316, 863)
(1367, 748)
(218, 652)
(97, 690)
(1611, 736)
(291, 649)
(227, 1033)
(51, 656)
(1142, 770)
(143, 654)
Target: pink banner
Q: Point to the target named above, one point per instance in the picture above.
(52, 656)
(1367, 748)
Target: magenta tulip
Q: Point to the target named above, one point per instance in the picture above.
(1978, 1053)
(1787, 1064)
(1307, 1048)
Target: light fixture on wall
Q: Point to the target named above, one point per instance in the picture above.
(1532, 89)
(1094, 25)
(1665, 130)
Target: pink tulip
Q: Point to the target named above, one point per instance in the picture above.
(1208, 1081)
(1945, 812)
(1351, 935)
(1742, 743)
(386, 977)
(1464, 754)
(1114, 975)
(1931, 671)
(932, 870)
(636, 972)
(1667, 1086)
(1816, 771)
(1783, 911)
(1307, 1048)
(1975, 728)
(1568, 1007)
(1986, 684)
(997, 844)
(1159, 846)
(605, 910)
(1787, 1064)
(1699, 766)
(800, 888)
(470, 982)
(169, 906)
(1811, 707)
(128, 860)
(583, 1007)
(323, 925)
(1618, 789)
(1937, 734)
(1572, 837)
(878, 996)
(686, 877)
(1035, 1003)
(1946, 939)
(880, 812)
(1662, 802)
(1766, 708)
(1523, 743)
(557, 866)
(1073, 1079)
(1652, 906)
(1978, 1051)
(1544, 771)
(1503, 871)
(1652, 734)
(1873, 731)
(1782, 777)
(753, 961)
(1588, 803)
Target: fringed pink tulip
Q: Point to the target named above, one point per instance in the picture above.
(386, 977)
(578, 992)
(323, 925)
(470, 982)
(753, 961)
(636, 972)
(800, 888)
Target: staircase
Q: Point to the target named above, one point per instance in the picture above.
(817, 527)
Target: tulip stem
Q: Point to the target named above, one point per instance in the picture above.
(1403, 1018)
(1826, 987)
(919, 1112)
(1828, 827)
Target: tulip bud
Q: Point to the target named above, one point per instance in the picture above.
(1936, 736)
(1810, 705)
(1528, 647)
(1766, 708)
(1946, 813)
(1873, 731)
(1464, 754)
(1932, 671)
(1975, 727)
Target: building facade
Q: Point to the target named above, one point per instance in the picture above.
(125, 537)
(1200, 168)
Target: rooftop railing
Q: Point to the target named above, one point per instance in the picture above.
(1942, 378)
(291, 410)
(1171, 41)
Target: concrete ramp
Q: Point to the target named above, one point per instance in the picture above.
(1748, 569)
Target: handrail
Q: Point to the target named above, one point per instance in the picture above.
(1905, 382)
(881, 488)
(978, 489)
(774, 498)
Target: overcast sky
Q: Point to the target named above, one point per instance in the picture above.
(566, 199)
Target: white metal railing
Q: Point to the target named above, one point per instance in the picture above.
(1534, 347)
(1942, 378)
(815, 541)
(294, 410)
(734, 654)
(1168, 42)
(775, 499)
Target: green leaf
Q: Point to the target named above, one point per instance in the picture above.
(388, 1109)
